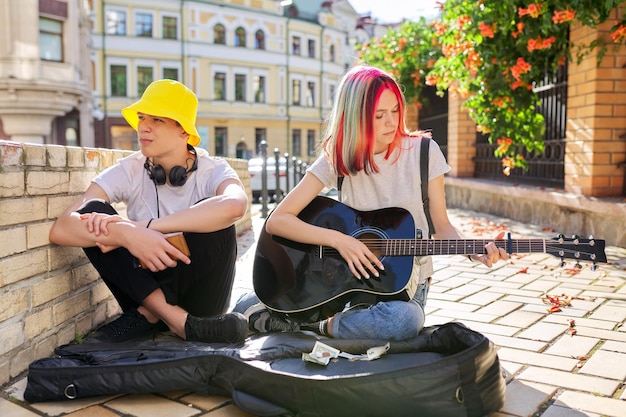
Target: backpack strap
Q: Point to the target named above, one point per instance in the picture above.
(424, 153)
(339, 184)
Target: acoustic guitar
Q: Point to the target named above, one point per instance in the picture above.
(307, 282)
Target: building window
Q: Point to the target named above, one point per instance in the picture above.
(295, 91)
(240, 37)
(219, 34)
(143, 25)
(115, 22)
(118, 81)
(219, 86)
(221, 141)
(240, 87)
(296, 142)
(310, 142)
(170, 27)
(259, 89)
(72, 131)
(311, 48)
(50, 39)
(331, 94)
(259, 39)
(260, 134)
(170, 73)
(332, 53)
(144, 78)
(310, 94)
(295, 45)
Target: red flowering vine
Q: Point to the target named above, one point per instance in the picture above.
(493, 53)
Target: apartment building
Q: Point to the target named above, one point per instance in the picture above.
(45, 80)
(263, 70)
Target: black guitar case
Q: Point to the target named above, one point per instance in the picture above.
(448, 370)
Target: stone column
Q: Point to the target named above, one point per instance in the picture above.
(461, 139)
(596, 117)
(34, 91)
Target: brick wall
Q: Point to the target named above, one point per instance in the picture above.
(461, 139)
(49, 294)
(596, 108)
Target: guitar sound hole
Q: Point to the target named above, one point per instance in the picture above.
(373, 242)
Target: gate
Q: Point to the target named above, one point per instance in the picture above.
(547, 169)
(433, 116)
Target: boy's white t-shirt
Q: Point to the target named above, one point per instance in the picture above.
(128, 182)
(397, 184)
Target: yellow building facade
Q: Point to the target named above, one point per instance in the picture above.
(260, 74)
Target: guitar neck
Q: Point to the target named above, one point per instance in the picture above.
(422, 247)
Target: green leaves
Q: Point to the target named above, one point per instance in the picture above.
(494, 54)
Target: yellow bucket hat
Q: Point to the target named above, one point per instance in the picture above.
(167, 98)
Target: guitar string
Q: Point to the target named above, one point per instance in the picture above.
(397, 245)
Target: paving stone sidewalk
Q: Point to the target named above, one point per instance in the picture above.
(566, 363)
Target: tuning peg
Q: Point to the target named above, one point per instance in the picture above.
(563, 263)
(575, 239)
(594, 266)
(578, 265)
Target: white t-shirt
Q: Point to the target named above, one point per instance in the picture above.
(128, 182)
(397, 184)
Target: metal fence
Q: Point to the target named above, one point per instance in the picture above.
(294, 171)
(548, 168)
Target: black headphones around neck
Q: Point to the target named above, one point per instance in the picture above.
(178, 174)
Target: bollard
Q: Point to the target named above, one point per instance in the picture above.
(294, 162)
(278, 193)
(299, 170)
(264, 196)
(287, 188)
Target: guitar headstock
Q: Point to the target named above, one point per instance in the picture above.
(590, 250)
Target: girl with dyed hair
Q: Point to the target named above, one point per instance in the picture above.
(371, 157)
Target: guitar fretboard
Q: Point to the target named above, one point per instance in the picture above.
(422, 247)
(572, 249)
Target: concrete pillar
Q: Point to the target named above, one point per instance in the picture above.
(596, 117)
(461, 139)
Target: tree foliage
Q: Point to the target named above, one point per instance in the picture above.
(494, 54)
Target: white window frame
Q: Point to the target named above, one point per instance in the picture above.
(178, 24)
(142, 63)
(260, 73)
(118, 10)
(118, 61)
(226, 70)
(154, 25)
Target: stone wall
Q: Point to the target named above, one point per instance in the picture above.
(49, 294)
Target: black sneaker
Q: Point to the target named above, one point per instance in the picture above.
(226, 328)
(260, 320)
(129, 326)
